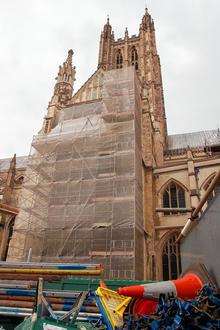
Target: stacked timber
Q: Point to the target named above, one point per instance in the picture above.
(48, 271)
(18, 288)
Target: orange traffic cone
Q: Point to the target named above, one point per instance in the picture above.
(143, 306)
(186, 287)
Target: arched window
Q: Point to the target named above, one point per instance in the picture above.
(119, 59)
(134, 58)
(171, 261)
(174, 197)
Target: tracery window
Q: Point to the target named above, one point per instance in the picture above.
(174, 197)
(171, 260)
(119, 59)
(134, 58)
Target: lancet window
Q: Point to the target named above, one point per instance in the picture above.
(134, 58)
(119, 60)
(174, 197)
(171, 261)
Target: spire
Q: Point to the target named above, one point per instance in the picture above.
(9, 185)
(13, 163)
(146, 9)
(105, 46)
(126, 33)
(146, 20)
(63, 91)
(67, 72)
(107, 28)
(65, 79)
(70, 56)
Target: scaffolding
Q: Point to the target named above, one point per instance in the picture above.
(82, 196)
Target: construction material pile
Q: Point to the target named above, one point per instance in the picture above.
(185, 303)
(203, 312)
(23, 295)
(103, 309)
(18, 288)
(21, 300)
(33, 270)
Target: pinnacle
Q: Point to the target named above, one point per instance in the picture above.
(146, 9)
(126, 32)
(70, 55)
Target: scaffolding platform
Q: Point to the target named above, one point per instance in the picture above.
(82, 196)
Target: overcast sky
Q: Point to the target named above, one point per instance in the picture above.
(36, 35)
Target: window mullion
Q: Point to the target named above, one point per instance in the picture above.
(177, 197)
(177, 258)
(169, 197)
(169, 261)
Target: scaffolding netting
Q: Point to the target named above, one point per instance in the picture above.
(82, 195)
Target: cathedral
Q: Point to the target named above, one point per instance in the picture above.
(104, 181)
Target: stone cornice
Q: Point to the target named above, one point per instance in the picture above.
(204, 163)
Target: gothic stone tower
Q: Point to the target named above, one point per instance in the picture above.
(132, 64)
(139, 51)
(85, 176)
